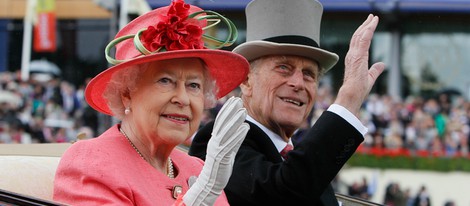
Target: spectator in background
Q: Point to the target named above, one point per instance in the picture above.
(70, 101)
(361, 189)
(422, 198)
(394, 196)
(449, 203)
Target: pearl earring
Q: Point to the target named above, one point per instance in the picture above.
(127, 111)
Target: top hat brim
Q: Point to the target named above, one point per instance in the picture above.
(255, 49)
(226, 68)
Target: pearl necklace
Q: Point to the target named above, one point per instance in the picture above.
(170, 169)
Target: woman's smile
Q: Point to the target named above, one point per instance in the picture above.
(177, 118)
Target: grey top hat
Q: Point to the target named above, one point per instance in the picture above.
(285, 27)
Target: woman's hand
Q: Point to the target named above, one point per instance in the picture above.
(227, 135)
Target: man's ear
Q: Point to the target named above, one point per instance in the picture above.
(246, 86)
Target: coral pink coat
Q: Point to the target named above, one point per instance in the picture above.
(108, 171)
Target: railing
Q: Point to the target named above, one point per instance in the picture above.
(11, 198)
(346, 200)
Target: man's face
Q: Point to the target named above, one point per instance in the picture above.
(280, 91)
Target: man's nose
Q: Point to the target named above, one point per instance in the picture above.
(297, 81)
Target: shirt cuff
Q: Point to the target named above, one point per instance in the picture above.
(349, 117)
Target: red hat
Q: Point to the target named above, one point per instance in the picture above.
(171, 32)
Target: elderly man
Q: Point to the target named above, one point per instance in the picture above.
(286, 64)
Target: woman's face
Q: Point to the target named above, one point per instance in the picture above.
(168, 102)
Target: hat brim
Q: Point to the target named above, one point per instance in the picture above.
(255, 49)
(226, 68)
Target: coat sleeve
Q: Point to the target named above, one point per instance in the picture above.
(258, 178)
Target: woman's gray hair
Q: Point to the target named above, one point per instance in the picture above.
(125, 81)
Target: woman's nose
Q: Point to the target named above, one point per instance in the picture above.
(181, 96)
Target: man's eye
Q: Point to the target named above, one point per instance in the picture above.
(309, 74)
(283, 67)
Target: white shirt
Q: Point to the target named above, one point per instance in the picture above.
(335, 108)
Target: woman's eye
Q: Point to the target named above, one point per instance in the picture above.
(165, 80)
(195, 85)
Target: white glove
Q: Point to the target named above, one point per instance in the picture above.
(227, 135)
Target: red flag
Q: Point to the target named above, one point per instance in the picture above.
(45, 27)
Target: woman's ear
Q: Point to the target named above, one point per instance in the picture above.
(126, 98)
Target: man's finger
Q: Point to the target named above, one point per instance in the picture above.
(368, 33)
(358, 33)
(374, 73)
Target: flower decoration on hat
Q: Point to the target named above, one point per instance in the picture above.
(177, 30)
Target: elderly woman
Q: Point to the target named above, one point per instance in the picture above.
(163, 79)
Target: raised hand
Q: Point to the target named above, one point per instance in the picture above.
(358, 78)
(227, 136)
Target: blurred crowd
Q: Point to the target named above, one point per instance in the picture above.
(415, 126)
(43, 110)
(395, 194)
(53, 110)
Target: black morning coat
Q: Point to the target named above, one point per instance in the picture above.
(261, 177)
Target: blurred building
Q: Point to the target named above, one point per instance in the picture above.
(425, 43)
